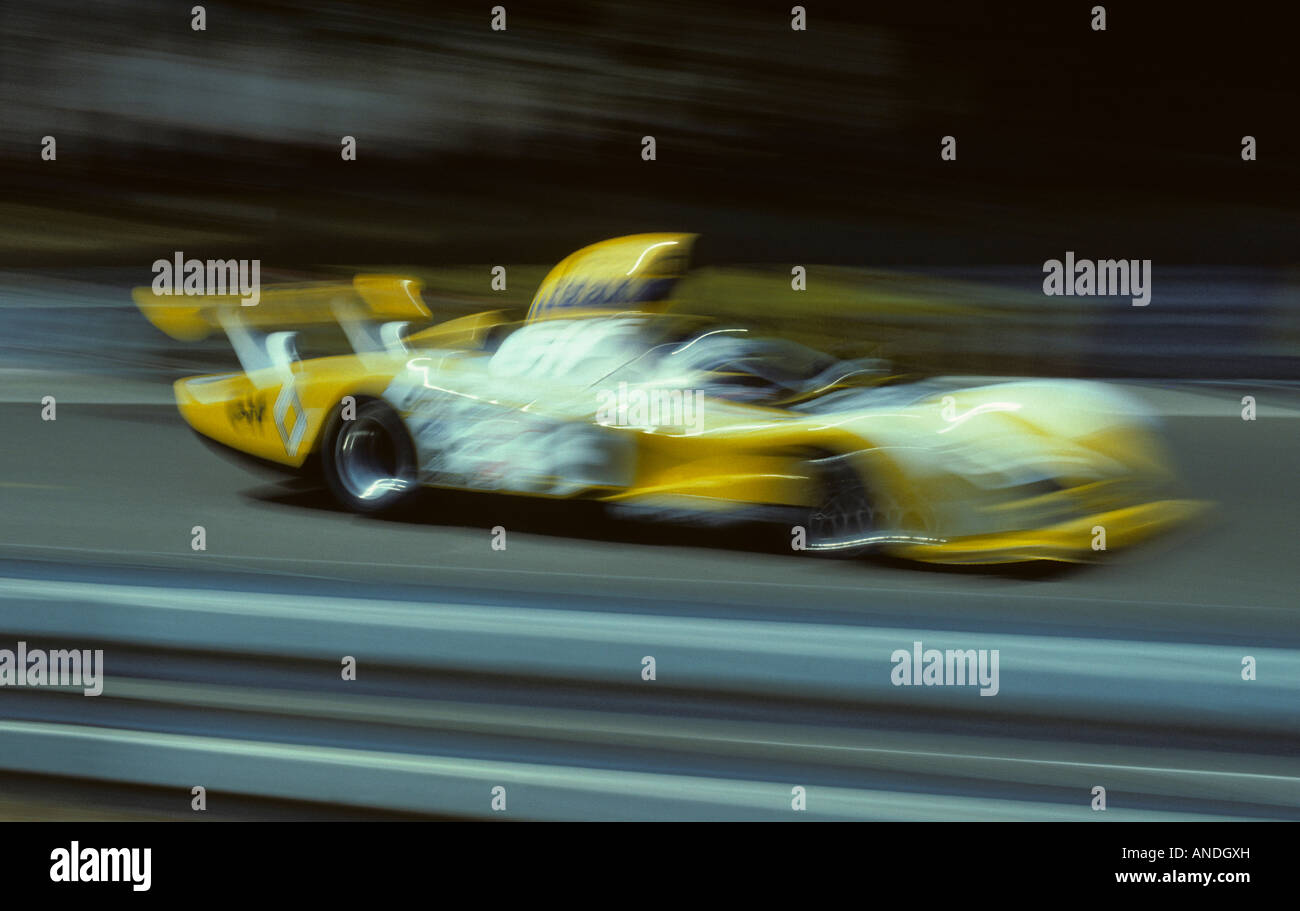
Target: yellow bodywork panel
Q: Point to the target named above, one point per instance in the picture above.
(255, 414)
(1067, 542)
(464, 332)
(734, 477)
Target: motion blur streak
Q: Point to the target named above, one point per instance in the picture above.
(522, 668)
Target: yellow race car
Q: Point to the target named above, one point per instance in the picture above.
(601, 393)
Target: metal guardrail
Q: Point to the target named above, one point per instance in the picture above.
(240, 691)
(1142, 681)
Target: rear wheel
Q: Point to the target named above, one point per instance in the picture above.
(369, 462)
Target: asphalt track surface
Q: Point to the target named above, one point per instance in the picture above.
(523, 666)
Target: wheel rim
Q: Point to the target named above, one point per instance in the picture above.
(372, 463)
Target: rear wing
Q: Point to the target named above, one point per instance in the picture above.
(372, 310)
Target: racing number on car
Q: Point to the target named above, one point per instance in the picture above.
(246, 414)
(556, 349)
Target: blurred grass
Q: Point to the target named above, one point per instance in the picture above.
(59, 231)
(923, 323)
(846, 312)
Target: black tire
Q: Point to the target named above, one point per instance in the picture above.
(369, 462)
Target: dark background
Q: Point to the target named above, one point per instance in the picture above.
(818, 146)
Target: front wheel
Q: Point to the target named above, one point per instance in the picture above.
(844, 521)
(369, 461)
